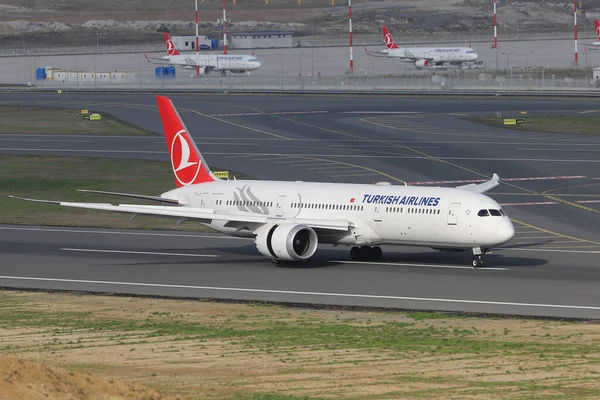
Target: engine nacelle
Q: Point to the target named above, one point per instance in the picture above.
(422, 63)
(287, 242)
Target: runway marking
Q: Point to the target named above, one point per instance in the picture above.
(534, 149)
(379, 112)
(10, 228)
(46, 140)
(351, 175)
(153, 253)
(555, 233)
(535, 178)
(418, 265)
(588, 111)
(553, 250)
(234, 124)
(268, 113)
(459, 114)
(531, 203)
(87, 151)
(303, 293)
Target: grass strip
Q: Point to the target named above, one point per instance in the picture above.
(583, 125)
(18, 119)
(58, 177)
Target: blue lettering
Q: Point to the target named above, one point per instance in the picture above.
(430, 201)
(396, 198)
(389, 200)
(410, 201)
(365, 198)
(423, 201)
(403, 201)
(376, 198)
(382, 199)
(435, 203)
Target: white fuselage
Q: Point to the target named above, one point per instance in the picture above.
(380, 214)
(215, 62)
(433, 54)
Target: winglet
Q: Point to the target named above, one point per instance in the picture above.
(367, 51)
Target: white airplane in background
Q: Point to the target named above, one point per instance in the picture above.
(425, 57)
(236, 63)
(288, 219)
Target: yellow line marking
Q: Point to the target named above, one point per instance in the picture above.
(238, 125)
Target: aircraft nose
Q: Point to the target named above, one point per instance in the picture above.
(505, 231)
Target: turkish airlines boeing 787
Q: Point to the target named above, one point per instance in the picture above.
(288, 219)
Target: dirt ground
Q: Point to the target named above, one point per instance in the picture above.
(531, 358)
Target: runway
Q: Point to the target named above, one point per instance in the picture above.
(551, 268)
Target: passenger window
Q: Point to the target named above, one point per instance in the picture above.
(483, 213)
(495, 213)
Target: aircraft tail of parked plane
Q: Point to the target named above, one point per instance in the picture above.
(171, 49)
(388, 39)
(287, 220)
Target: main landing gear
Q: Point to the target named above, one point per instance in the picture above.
(479, 252)
(366, 253)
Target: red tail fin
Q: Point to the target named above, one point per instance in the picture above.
(188, 165)
(597, 29)
(389, 41)
(171, 50)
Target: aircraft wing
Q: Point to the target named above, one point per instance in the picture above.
(482, 187)
(204, 215)
(376, 53)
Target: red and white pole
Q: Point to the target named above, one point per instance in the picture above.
(495, 46)
(350, 30)
(197, 44)
(224, 27)
(575, 28)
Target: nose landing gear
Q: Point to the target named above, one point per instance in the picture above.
(479, 252)
(366, 253)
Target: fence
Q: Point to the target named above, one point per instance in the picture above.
(318, 41)
(340, 84)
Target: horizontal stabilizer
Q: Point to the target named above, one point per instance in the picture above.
(482, 187)
(137, 196)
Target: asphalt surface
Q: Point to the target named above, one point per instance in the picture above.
(551, 268)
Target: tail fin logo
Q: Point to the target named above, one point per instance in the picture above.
(171, 47)
(388, 40)
(182, 159)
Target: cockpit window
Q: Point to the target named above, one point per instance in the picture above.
(483, 213)
(495, 213)
(470, 51)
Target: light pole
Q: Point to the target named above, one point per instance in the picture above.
(281, 55)
(300, 74)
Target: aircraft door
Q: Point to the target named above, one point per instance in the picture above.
(280, 205)
(377, 213)
(453, 213)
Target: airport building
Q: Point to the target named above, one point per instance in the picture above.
(185, 43)
(261, 39)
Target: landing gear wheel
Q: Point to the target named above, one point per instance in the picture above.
(478, 262)
(355, 253)
(276, 261)
(376, 253)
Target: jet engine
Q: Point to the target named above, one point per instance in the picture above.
(422, 63)
(286, 242)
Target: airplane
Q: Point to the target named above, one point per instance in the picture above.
(235, 63)
(287, 220)
(425, 57)
(596, 44)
